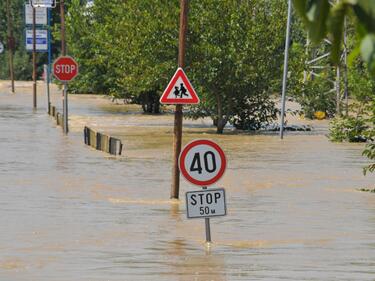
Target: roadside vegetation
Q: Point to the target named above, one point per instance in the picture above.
(321, 20)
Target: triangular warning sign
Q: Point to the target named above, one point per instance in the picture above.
(179, 90)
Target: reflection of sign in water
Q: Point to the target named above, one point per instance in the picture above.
(179, 90)
(206, 203)
(1, 48)
(40, 15)
(41, 40)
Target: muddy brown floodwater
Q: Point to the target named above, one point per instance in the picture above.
(69, 212)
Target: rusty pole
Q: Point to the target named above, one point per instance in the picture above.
(177, 137)
(10, 44)
(34, 59)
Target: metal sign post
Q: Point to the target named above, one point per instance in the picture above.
(207, 225)
(10, 43)
(203, 162)
(63, 53)
(65, 69)
(65, 109)
(1, 48)
(285, 74)
(45, 70)
(48, 72)
(206, 203)
(34, 60)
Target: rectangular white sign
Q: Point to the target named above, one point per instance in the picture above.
(40, 15)
(43, 3)
(41, 40)
(206, 203)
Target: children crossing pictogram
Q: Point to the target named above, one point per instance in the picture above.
(179, 90)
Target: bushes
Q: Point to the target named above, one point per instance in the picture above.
(317, 96)
(369, 152)
(254, 112)
(352, 129)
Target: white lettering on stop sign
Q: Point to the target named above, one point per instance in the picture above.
(65, 69)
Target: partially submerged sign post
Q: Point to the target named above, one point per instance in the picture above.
(177, 134)
(38, 13)
(179, 92)
(65, 69)
(202, 162)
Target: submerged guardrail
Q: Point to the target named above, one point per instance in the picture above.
(97, 140)
(102, 142)
(57, 115)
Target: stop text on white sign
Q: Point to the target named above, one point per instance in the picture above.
(206, 203)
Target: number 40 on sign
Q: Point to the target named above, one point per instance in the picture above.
(202, 162)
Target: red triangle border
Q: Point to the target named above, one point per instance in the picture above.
(179, 74)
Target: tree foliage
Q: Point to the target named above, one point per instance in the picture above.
(236, 54)
(321, 18)
(234, 51)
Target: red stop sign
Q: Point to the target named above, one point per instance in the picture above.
(65, 68)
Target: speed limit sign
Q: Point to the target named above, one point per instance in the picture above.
(202, 162)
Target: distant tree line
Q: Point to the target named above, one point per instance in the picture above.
(128, 50)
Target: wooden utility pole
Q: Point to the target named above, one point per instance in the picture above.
(177, 137)
(34, 59)
(63, 53)
(10, 43)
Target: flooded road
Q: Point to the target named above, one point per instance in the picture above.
(69, 212)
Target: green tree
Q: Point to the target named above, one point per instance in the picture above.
(235, 56)
(234, 53)
(322, 19)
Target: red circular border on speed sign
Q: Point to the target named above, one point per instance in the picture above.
(65, 68)
(202, 162)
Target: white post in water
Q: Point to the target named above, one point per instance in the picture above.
(285, 75)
